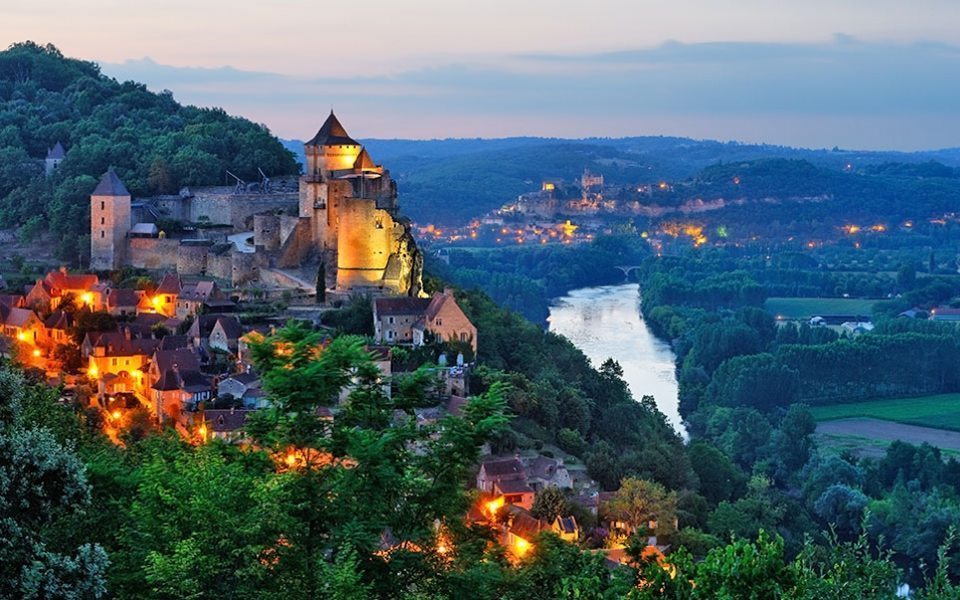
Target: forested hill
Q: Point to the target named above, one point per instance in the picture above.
(155, 144)
(468, 177)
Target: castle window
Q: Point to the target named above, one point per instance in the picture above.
(390, 320)
(103, 220)
(103, 233)
(103, 205)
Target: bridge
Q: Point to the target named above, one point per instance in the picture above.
(627, 269)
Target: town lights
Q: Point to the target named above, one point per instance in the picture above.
(93, 372)
(494, 505)
(36, 353)
(115, 415)
(22, 336)
(203, 431)
(87, 298)
(522, 546)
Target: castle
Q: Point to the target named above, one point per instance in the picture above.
(341, 224)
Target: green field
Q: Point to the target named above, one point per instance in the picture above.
(940, 412)
(804, 308)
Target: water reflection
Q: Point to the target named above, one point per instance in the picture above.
(605, 322)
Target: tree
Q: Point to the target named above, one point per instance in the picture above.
(720, 479)
(549, 503)
(639, 502)
(41, 482)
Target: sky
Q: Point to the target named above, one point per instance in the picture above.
(863, 74)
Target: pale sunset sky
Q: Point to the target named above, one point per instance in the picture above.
(870, 74)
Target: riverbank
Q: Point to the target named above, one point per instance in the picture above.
(605, 322)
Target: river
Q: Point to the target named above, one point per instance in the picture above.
(605, 322)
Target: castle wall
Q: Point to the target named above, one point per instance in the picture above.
(365, 244)
(152, 253)
(266, 232)
(287, 226)
(192, 257)
(235, 210)
(297, 247)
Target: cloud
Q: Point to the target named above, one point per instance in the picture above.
(897, 86)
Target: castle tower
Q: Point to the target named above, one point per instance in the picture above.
(321, 194)
(109, 223)
(55, 156)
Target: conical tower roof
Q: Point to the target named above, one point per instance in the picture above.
(110, 185)
(364, 162)
(57, 151)
(332, 133)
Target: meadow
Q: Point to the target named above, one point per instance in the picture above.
(805, 308)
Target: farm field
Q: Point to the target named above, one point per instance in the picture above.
(941, 411)
(804, 308)
(870, 437)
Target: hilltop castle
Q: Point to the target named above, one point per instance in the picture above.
(342, 223)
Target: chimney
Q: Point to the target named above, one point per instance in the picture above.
(63, 269)
(448, 291)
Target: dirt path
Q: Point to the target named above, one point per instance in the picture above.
(881, 432)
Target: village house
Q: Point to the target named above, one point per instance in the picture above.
(178, 385)
(48, 293)
(164, 300)
(216, 332)
(506, 477)
(225, 424)
(57, 328)
(543, 472)
(116, 361)
(21, 324)
(194, 296)
(566, 528)
(123, 302)
(245, 387)
(410, 320)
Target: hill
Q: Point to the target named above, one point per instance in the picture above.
(155, 144)
(468, 177)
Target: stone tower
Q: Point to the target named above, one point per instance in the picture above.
(55, 156)
(351, 203)
(109, 223)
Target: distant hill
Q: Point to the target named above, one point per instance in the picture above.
(154, 143)
(468, 177)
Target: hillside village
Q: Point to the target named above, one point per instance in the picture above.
(177, 351)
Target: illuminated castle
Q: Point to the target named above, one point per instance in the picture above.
(351, 204)
(341, 224)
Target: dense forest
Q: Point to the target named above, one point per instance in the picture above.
(746, 381)
(155, 144)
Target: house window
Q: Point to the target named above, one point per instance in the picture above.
(113, 362)
(389, 334)
(463, 337)
(390, 320)
(439, 322)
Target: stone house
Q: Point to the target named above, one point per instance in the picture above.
(216, 332)
(409, 320)
(123, 302)
(193, 296)
(243, 386)
(178, 385)
(506, 477)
